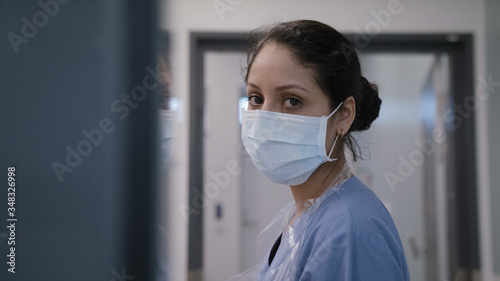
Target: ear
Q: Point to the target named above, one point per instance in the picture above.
(346, 115)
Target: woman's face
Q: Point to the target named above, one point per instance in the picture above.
(277, 82)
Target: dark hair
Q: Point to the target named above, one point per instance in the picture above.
(335, 65)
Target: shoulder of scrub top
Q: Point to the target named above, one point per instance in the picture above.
(352, 206)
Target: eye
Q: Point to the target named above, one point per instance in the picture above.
(292, 102)
(255, 100)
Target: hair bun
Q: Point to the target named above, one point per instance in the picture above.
(368, 107)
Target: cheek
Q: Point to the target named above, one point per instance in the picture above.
(316, 107)
(322, 105)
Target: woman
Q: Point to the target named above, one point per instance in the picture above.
(306, 96)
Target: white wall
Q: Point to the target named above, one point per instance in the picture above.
(431, 16)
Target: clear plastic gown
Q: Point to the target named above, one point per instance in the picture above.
(292, 240)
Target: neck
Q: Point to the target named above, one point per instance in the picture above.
(317, 183)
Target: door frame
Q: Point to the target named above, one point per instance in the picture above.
(463, 224)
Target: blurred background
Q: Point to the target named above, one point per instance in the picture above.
(120, 126)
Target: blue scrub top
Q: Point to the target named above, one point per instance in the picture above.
(350, 235)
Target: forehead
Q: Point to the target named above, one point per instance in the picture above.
(277, 62)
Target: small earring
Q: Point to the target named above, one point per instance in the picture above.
(342, 133)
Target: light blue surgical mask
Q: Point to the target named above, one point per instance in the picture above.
(287, 148)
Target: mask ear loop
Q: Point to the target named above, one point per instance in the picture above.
(333, 112)
(337, 136)
(331, 150)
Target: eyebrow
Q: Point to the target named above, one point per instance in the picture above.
(282, 88)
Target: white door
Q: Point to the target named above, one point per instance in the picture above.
(221, 167)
